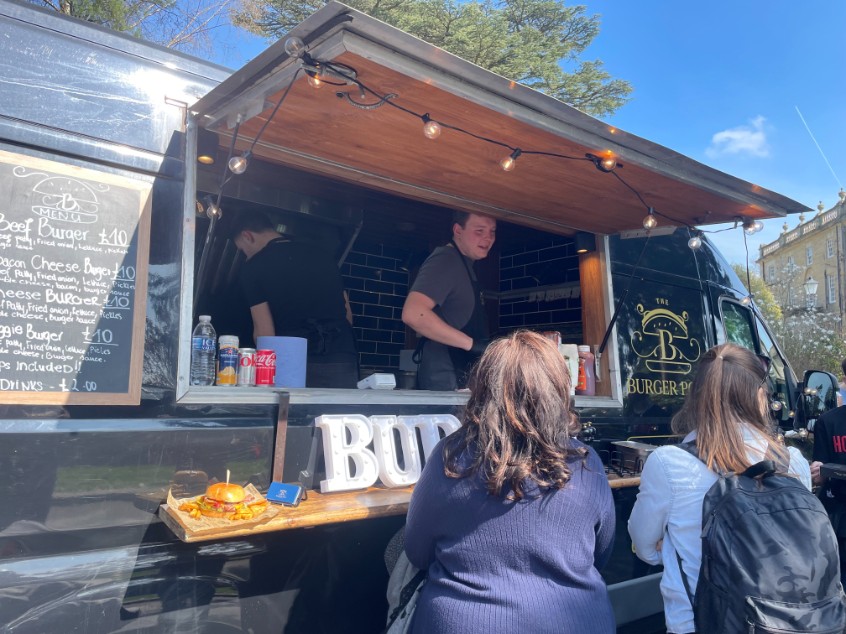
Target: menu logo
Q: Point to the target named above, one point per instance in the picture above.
(62, 198)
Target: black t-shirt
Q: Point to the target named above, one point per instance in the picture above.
(445, 280)
(302, 285)
(830, 445)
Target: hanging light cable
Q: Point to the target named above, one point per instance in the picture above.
(748, 298)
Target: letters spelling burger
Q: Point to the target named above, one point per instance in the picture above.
(227, 501)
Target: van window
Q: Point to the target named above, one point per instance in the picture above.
(737, 322)
(742, 328)
(779, 387)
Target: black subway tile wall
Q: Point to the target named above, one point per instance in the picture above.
(377, 287)
(553, 269)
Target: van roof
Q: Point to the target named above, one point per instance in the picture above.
(383, 147)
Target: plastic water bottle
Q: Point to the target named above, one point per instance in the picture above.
(202, 352)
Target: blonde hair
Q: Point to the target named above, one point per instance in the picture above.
(724, 395)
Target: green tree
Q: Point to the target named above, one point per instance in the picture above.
(535, 42)
(187, 25)
(764, 298)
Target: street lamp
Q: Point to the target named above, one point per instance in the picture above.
(810, 292)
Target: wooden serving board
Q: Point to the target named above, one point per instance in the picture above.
(318, 509)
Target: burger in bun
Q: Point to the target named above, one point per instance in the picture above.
(226, 501)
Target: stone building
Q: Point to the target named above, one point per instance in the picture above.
(806, 266)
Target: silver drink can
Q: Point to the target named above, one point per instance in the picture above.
(246, 367)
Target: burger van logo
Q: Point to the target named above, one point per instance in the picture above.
(63, 199)
(664, 342)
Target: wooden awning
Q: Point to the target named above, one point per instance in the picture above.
(384, 148)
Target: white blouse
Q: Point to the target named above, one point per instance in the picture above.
(669, 508)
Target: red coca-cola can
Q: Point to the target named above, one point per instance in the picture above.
(265, 367)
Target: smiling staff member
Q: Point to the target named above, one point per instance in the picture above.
(445, 305)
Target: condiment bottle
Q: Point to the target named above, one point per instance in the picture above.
(586, 385)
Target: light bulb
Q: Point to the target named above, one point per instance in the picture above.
(432, 129)
(295, 47)
(776, 405)
(695, 242)
(238, 164)
(752, 226)
(608, 163)
(507, 164)
(315, 81)
(650, 222)
(746, 300)
(213, 211)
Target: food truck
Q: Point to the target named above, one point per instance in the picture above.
(113, 242)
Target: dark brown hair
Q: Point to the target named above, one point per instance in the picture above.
(249, 220)
(726, 392)
(517, 423)
(460, 218)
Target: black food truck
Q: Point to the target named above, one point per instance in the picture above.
(115, 168)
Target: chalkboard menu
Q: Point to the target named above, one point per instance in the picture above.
(74, 247)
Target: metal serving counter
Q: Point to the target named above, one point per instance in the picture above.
(304, 396)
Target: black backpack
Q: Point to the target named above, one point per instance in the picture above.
(769, 558)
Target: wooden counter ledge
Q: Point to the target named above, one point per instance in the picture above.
(328, 508)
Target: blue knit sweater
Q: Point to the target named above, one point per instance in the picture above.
(504, 567)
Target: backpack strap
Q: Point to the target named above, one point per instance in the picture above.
(684, 579)
(689, 447)
(762, 469)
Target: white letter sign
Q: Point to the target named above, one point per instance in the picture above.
(386, 453)
(338, 453)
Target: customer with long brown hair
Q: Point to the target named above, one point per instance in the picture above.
(726, 414)
(513, 517)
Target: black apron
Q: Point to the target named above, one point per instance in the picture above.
(444, 367)
(332, 361)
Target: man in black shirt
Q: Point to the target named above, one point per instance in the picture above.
(295, 290)
(830, 447)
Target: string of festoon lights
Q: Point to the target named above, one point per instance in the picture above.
(321, 73)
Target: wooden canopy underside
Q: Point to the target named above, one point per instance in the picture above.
(384, 148)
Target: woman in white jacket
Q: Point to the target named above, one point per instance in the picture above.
(727, 413)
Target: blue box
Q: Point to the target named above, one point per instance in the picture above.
(287, 494)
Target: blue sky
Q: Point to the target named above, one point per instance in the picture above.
(720, 81)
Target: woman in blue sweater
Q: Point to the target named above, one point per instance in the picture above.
(513, 517)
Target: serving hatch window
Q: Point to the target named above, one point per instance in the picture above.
(531, 279)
